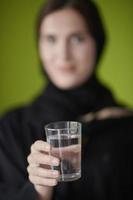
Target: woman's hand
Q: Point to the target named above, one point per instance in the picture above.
(39, 169)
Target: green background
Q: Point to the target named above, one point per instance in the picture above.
(20, 76)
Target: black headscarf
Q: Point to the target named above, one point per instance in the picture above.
(57, 104)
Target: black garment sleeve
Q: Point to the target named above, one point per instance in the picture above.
(9, 192)
(14, 147)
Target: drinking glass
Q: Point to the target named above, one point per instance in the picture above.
(65, 140)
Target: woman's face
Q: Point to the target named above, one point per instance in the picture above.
(67, 50)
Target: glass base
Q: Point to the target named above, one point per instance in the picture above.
(69, 177)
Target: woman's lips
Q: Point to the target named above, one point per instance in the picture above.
(65, 69)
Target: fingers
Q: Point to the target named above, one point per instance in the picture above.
(36, 180)
(41, 158)
(43, 177)
(40, 146)
(40, 163)
(41, 172)
(40, 154)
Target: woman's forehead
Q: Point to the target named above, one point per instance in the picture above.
(65, 19)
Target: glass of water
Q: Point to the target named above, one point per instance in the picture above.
(65, 140)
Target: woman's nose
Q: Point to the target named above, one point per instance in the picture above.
(64, 51)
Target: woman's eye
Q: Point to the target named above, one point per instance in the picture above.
(51, 39)
(77, 39)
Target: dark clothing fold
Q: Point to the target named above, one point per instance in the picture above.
(107, 145)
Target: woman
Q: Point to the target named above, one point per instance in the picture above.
(71, 39)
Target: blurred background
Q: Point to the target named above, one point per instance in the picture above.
(20, 75)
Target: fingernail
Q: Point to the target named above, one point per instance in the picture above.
(55, 173)
(55, 162)
(47, 148)
(54, 182)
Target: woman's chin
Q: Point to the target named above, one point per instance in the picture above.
(67, 85)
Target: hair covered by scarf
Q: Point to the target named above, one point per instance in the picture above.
(90, 96)
(87, 9)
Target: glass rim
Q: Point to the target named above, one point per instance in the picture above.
(46, 127)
